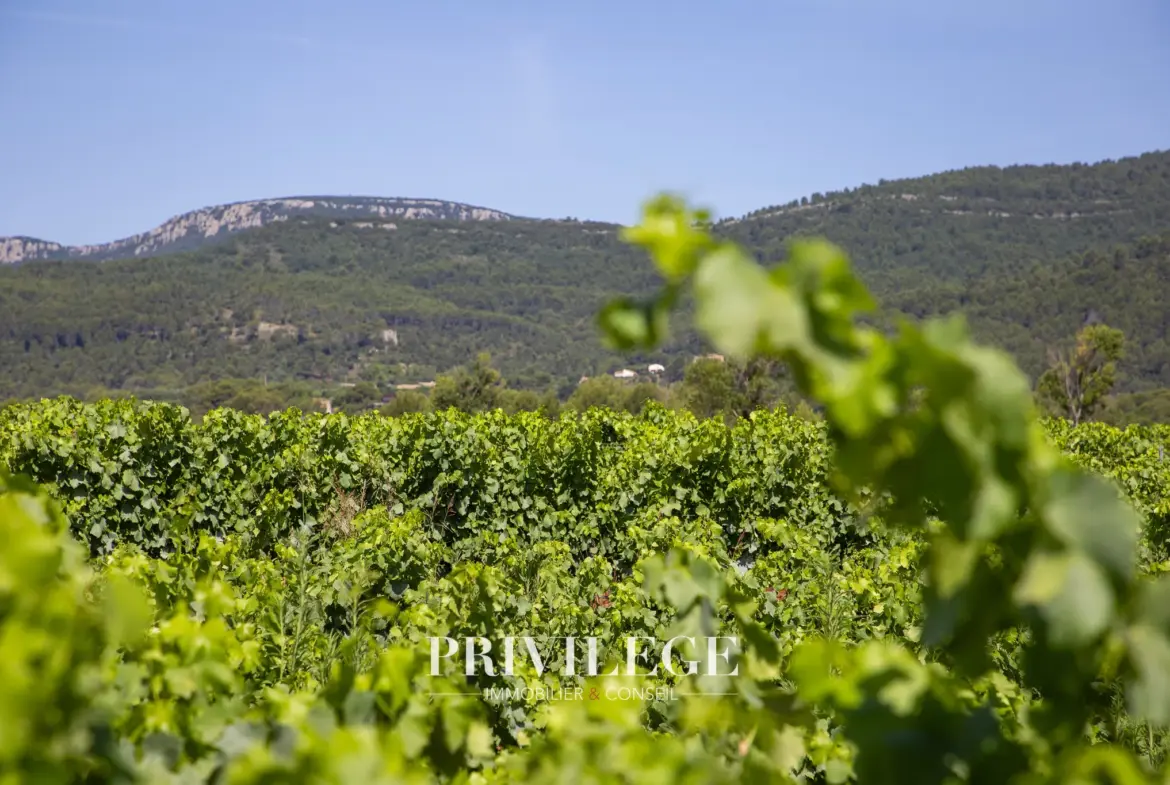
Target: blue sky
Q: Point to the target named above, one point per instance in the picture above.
(118, 114)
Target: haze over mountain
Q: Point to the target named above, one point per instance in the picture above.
(1028, 251)
(192, 229)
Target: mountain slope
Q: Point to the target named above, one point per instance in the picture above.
(308, 299)
(1125, 287)
(312, 297)
(191, 230)
(959, 226)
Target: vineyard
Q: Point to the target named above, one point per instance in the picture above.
(929, 585)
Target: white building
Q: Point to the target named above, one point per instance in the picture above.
(625, 373)
(656, 368)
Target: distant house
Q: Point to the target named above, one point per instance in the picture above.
(625, 373)
(716, 357)
(656, 368)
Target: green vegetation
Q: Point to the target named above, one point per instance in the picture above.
(134, 471)
(1033, 312)
(978, 223)
(606, 392)
(1027, 252)
(307, 302)
(1144, 407)
(1078, 380)
(944, 433)
(522, 524)
(923, 587)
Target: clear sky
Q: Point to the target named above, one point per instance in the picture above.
(117, 114)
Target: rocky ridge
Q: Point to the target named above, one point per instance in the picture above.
(190, 230)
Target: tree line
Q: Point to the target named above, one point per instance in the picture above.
(1078, 385)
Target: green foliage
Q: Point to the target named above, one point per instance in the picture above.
(51, 644)
(708, 387)
(1077, 382)
(146, 473)
(1143, 408)
(923, 587)
(406, 402)
(564, 523)
(1023, 538)
(1029, 311)
(1026, 251)
(247, 395)
(359, 397)
(606, 392)
(976, 224)
(307, 302)
(473, 389)
(714, 385)
(512, 401)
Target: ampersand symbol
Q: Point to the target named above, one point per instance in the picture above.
(594, 695)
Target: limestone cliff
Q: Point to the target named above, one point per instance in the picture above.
(192, 229)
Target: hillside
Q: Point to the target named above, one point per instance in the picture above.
(198, 227)
(983, 221)
(308, 299)
(1127, 287)
(1027, 251)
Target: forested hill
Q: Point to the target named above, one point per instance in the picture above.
(197, 228)
(963, 225)
(1028, 252)
(310, 299)
(1125, 287)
